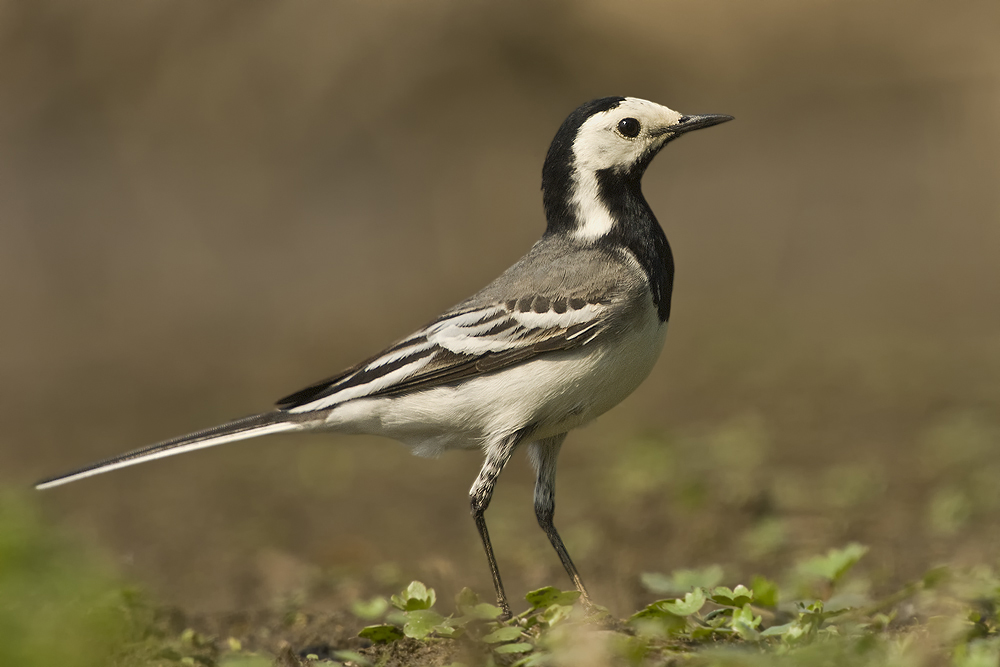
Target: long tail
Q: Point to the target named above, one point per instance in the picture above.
(241, 429)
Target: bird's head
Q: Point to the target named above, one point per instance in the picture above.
(625, 133)
(612, 139)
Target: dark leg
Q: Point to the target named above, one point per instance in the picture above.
(543, 454)
(479, 498)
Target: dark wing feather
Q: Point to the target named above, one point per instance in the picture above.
(451, 367)
(321, 388)
(447, 367)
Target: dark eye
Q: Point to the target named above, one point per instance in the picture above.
(629, 127)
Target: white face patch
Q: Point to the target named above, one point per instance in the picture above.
(600, 145)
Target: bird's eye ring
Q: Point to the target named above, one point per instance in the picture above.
(629, 127)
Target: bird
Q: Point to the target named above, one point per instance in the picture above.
(559, 338)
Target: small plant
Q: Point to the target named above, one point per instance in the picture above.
(732, 615)
(477, 620)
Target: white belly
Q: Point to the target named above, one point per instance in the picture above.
(553, 393)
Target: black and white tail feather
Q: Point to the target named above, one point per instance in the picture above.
(240, 429)
(559, 338)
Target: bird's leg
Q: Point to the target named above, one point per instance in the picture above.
(479, 498)
(543, 454)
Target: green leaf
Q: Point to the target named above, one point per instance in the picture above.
(737, 597)
(545, 597)
(415, 596)
(504, 634)
(746, 632)
(556, 613)
(421, 622)
(691, 603)
(484, 611)
(745, 624)
(370, 609)
(664, 609)
(765, 591)
(466, 599)
(396, 617)
(811, 613)
(416, 591)
(682, 581)
(522, 647)
(834, 564)
(651, 611)
(795, 633)
(777, 630)
(659, 627)
(381, 633)
(741, 592)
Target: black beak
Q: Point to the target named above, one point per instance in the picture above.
(688, 123)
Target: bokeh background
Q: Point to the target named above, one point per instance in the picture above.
(206, 206)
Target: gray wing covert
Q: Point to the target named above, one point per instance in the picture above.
(549, 301)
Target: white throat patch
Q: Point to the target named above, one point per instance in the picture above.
(593, 213)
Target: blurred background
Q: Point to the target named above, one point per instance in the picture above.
(206, 206)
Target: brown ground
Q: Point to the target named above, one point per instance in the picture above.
(206, 206)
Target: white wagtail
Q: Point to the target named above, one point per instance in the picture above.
(559, 338)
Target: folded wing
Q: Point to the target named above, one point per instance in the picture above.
(465, 341)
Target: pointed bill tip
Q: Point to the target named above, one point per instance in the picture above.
(697, 122)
